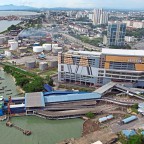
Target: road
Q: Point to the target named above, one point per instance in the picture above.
(132, 125)
(86, 45)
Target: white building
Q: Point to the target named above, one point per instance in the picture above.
(129, 39)
(138, 24)
(128, 23)
(78, 28)
(100, 17)
(134, 24)
(91, 16)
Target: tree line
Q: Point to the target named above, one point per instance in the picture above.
(29, 82)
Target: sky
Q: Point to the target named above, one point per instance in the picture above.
(128, 4)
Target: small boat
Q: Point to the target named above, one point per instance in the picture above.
(9, 94)
(8, 90)
(27, 132)
(2, 79)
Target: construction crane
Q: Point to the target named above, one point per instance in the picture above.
(10, 124)
(8, 107)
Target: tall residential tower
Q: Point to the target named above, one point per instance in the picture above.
(100, 17)
(116, 34)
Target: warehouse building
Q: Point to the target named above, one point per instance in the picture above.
(99, 68)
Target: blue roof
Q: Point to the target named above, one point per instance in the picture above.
(109, 116)
(128, 133)
(129, 119)
(41, 56)
(102, 119)
(62, 93)
(48, 87)
(1, 112)
(72, 97)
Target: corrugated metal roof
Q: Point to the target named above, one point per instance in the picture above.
(122, 52)
(72, 97)
(105, 87)
(109, 116)
(62, 93)
(128, 133)
(141, 110)
(129, 119)
(35, 99)
(102, 119)
(141, 105)
(17, 106)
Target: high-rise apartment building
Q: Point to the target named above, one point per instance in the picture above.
(100, 17)
(116, 34)
(99, 68)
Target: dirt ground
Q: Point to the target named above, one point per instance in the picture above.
(89, 126)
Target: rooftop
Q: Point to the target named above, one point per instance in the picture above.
(128, 133)
(85, 53)
(35, 99)
(72, 97)
(122, 52)
(105, 87)
(107, 51)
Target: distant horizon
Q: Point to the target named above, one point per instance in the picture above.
(110, 8)
(85, 4)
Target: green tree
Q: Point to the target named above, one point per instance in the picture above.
(135, 106)
(90, 115)
(22, 81)
(136, 139)
(49, 80)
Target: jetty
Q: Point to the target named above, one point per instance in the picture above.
(25, 132)
(10, 124)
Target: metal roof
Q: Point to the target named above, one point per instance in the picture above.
(35, 99)
(84, 53)
(128, 133)
(103, 119)
(17, 106)
(72, 97)
(129, 119)
(122, 52)
(62, 93)
(105, 87)
(141, 105)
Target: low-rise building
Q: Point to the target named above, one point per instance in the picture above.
(130, 39)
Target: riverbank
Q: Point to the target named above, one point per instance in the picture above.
(9, 84)
(17, 87)
(5, 24)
